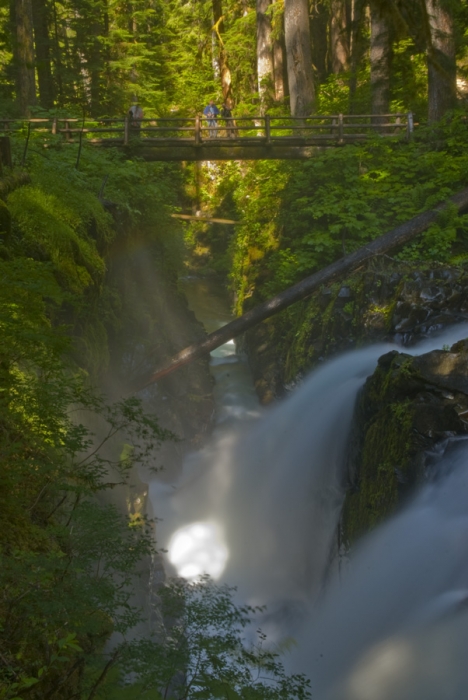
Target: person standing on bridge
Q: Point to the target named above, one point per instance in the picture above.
(135, 114)
(211, 113)
(226, 114)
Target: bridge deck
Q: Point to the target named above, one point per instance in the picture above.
(193, 139)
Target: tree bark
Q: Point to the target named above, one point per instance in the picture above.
(224, 70)
(265, 70)
(279, 62)
(43, 57)
(95, 62)
(23, 53)
(299, 57)
(57, 56)
(319, 24)
(380, 59)
(393, 239)
(358, 17)
(440, 60)
(339, 36)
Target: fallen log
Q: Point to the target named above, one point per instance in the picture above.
(392, 239)
(205, 219)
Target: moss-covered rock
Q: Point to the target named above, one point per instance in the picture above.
(386, 301)
(407, 405)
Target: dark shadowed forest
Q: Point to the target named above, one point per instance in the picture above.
(80, 230)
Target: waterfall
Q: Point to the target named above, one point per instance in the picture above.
(264, 487)
(262, 504)
(397, 625)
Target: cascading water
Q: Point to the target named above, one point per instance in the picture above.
(259, 509)
(397, 626)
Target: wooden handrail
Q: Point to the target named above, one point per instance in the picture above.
(248, 130)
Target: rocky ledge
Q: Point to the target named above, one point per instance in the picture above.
(405, 408)
(386, 301)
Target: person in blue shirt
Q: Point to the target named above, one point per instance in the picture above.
(211, 113)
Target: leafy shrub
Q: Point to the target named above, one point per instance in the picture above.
(67, 560)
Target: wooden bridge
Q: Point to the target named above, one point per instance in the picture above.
(192, 139)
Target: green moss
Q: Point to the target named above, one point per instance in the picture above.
(52, 229)
(5, 223)
(387, 451)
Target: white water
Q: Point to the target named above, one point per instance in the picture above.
(397, 626)
(272, 496)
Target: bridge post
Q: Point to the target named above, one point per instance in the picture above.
(5, 151)
(267, 128)
(54, 126)
(126, 130)
(340, 129)
(197, 130)
(410, 126)
(23, 160)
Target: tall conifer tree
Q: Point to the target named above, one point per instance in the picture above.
(23, 53)
(265, 70)
(380, 58)
(441, 59)
(298, 57)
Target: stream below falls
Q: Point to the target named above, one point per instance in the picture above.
(258, 508)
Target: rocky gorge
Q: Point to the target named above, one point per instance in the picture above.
(410, 407)
(385, 302)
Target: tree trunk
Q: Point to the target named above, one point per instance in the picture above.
(339, 36)
(23, 53)
(57, 58)
(224, 71)
(358, 16)
(299, 57)
(265, 74)
(441, 60)
(393, 239)
(380, 59)
(43, 59)
(279, 62)
(319, 22)
(96, 63)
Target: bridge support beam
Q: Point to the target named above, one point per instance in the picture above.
(218, 152)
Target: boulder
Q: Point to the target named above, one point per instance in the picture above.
(407, 406)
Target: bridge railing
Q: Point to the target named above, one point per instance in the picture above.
(264, 129)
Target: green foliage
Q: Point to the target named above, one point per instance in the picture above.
(67, 560)
(59, 218)
(50, 228)
(297, 218)
(200, 651)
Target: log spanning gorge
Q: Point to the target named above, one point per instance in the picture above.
(260, 508)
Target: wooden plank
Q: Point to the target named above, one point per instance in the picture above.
(212, 152)
(205, 219)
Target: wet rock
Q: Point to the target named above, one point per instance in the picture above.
(390, 303)
(406, 407)
(435, 295)
(448, 370)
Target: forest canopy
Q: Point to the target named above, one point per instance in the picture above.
(173, 55)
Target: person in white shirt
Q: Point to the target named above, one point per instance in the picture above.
(136, 115)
